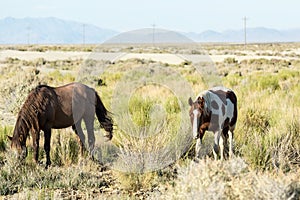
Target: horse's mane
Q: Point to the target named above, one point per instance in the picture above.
(36, 103)
(206, 96)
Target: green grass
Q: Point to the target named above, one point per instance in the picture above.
(4, 132)
(153, 155)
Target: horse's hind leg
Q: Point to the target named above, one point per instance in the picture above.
(89, 123)
(230, 135)
(81, 145)
(81, 138)
(225, 137)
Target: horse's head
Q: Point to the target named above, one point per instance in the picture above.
(196, 112)
(18, 141)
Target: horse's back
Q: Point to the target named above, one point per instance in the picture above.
(76, 99)
(221, 102)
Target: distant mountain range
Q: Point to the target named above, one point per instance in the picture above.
(57, 31)
(50, 31)
(259, 34)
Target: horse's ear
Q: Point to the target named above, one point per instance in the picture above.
(200, 100)
(9, 138)
(190, 101)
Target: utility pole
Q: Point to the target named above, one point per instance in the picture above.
(83, 34)
(245, 31)
(153, 34)
(28, 35)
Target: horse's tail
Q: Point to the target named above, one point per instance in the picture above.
(104, 117)
(235, 110)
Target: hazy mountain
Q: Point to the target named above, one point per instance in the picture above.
(149, 35)
(57, 31)
(259, 34)
(50, 30)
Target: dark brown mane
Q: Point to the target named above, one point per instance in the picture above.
(36, 103)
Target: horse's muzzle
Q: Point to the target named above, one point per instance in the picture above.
(24, 153)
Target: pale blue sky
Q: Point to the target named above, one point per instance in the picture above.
(186, 16)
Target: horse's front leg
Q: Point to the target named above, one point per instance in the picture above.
(36, 145)
(216, 144)
(231, 143)
(221, 145)
(47, 134)
(198, 148)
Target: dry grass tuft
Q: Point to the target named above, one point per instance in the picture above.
(231, 179)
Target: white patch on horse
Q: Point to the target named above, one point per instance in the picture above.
(195, 123)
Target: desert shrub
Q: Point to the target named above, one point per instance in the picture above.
(18, 177)
(140, 110)
(39, 62)
(233, 80)
(257, 151)
(232, 179)
(172, 105)
(66, 149)
(230, 60)
(12, 60)
(61, 78)
(111, 78)
(4, 132)
(17, 87)
(285, 146)
(192, 79)
(265, 82)
(288, 74)
(256, 120)
(133, 182)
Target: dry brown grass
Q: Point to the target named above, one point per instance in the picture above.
(232, 179)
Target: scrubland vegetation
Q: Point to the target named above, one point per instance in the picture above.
(151, 154)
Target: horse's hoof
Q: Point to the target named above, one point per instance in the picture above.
(47, 165)
(196, 160)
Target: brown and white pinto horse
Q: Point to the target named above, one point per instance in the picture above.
(214, 110)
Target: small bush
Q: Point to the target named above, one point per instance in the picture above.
(66, 149)
(230, 180)
(256, 120)
(230, 60)
(172, 106)
(265, 82)
(140, 110)
(4, 132)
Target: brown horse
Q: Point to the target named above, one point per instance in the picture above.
(49, 108)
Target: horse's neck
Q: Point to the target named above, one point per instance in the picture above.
(207, 103)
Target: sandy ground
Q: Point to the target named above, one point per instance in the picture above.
(165, 58)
